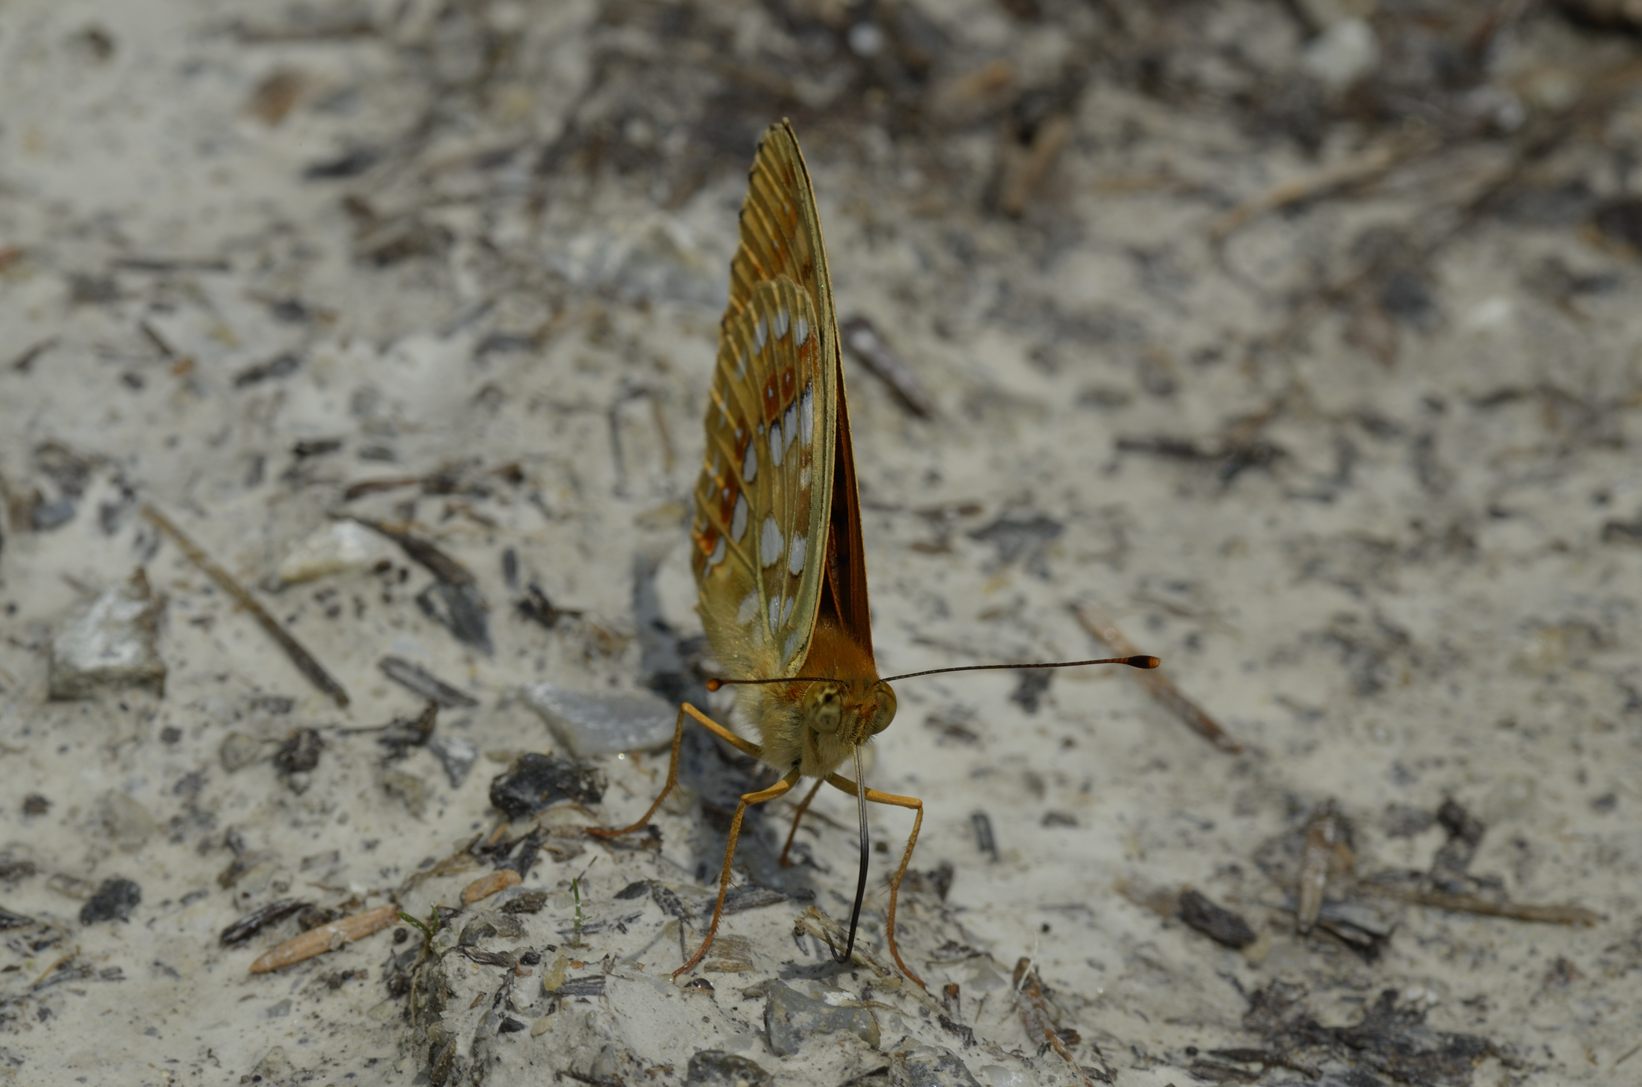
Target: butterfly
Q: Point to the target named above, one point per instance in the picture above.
(777, 550)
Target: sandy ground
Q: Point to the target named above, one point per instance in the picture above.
(1301, 347)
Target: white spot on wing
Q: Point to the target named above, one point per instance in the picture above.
(738, 520)
(804, 477)
(760, 334)
(790, 649)
(717, 555)
(786, 608)
(749, 608)
(749, 463)
(795, 557)
(780, 323)
(806, 410)
(776, 447)
(790, 422)
(802, 333)
(775, 613)
(769, 542)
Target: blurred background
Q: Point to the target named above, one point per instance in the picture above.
(1293, 342)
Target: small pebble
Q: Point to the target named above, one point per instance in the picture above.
(109, 643)
(456, 755)
(335, 548)
(1342, 55)
(716, 1068)
(1215, 921)
(113, 901)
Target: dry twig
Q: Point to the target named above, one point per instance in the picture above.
(1162, 688)
(299, 656)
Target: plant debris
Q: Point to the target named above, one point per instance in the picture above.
(304, 661)
(535, 782)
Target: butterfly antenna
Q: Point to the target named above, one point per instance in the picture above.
(715, 683)
(1139, 661)
(861, 877)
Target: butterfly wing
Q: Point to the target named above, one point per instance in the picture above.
(781, 233)
(846, 554)
(763, 501)
(781, 206)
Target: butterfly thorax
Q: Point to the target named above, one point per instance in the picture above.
(814, 724)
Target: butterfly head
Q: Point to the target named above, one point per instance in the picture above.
(847, 712)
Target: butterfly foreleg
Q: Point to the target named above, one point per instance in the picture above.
(803, 806)
(762, 796)
(685, 712)
(844, 784)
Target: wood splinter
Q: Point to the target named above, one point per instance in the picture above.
(489, 884)
(327, 937)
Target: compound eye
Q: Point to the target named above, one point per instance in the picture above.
(827, 711)
(886, 708)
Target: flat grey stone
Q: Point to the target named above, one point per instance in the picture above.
(790, 1017)
(603, 722)
(716, 1068)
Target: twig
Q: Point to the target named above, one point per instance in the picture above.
(25, 360)
(1369, 166)
(864, 341)
(454, 600)
(161, 344)
(1462, 903)
(1160, 686)
(304, 661)
(813, 922)
(1024, 174)
(424, 552)
(659, 418)
(340, 29)
(172, 264)
(1327, 841)
(1035, 1017)
(419, 680)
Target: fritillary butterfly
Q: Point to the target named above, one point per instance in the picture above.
(778, 559)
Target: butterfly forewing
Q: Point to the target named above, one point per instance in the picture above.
(781, 232)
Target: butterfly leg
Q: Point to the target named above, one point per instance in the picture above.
(685, 712)
(803, 806)
(762, 796)
(844, 784)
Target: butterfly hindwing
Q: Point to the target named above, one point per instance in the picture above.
(760, 522)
